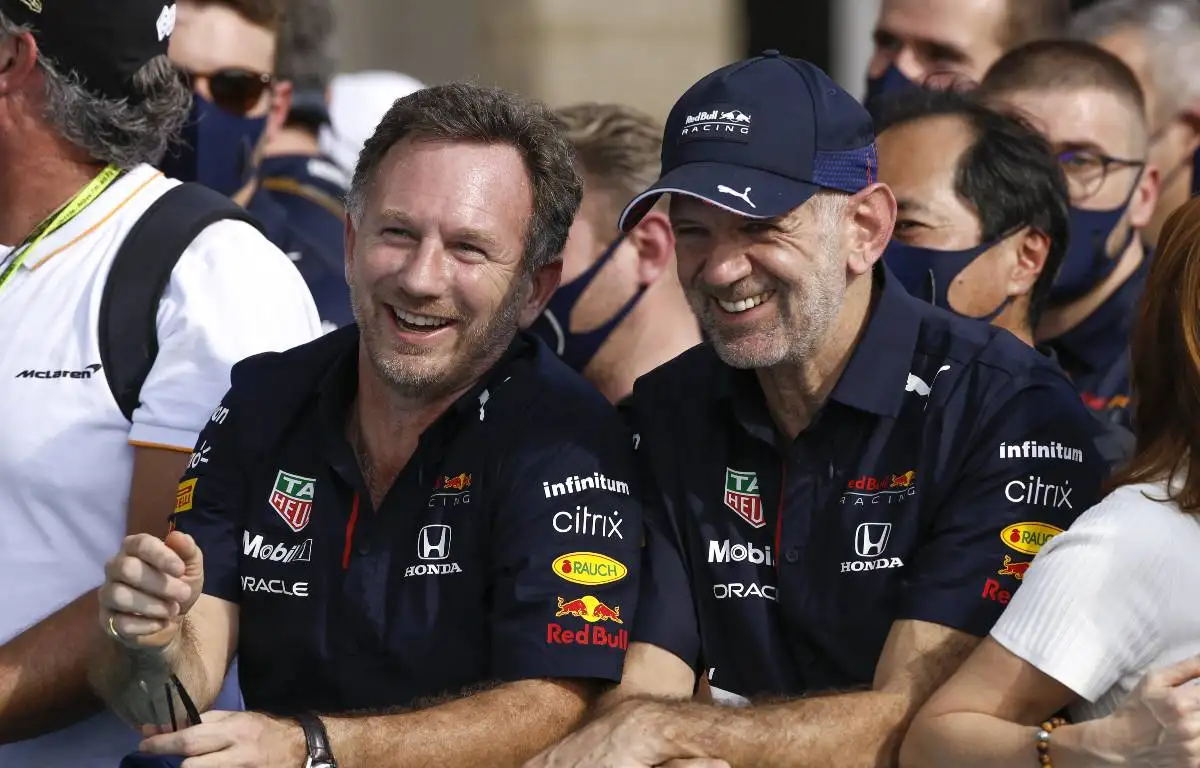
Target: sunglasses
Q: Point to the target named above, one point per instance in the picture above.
(236, 91)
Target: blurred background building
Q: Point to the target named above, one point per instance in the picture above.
(640, 52)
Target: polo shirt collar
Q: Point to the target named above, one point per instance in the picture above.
(873, 380)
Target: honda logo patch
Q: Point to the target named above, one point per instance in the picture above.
(434, 542)
(871, 539)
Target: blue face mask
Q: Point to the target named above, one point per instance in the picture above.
(216, 149)
(891, 81)
(927, 273)
(1087, 261)
(554, 324)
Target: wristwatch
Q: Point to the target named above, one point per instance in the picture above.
(319, 753)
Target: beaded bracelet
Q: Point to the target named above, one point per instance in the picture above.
(1043, 739)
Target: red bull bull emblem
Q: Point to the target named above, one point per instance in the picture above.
(1014, 568)
(903, 481)
(589, 609)
(459, 482)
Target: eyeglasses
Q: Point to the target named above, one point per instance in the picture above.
(190, 713)
(236, 91)
(1086, 170)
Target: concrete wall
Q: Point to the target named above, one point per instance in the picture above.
(640, 52)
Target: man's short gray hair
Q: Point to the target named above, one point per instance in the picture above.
(114, 130)
(1171, 30)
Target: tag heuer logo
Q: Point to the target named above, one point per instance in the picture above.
(741, 495)
(292, 498)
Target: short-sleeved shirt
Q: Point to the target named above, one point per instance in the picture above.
(506, 549)
(947, 454)
(301, 202)
(1095, 353)
(66, 450)
(1111, 599)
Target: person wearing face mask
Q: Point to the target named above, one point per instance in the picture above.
(1090, 107)
(982, 216)
(619, 311)
(226, 49)
(302, 186)
(1160, 41)
(942, 43)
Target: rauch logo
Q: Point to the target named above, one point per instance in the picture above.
(1028, 538)
(589, 568)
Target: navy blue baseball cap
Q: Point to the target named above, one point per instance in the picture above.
(759, 137)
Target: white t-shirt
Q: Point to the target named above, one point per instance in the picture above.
(66, 451)
(1110, 599)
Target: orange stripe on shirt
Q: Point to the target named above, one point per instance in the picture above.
(98, 224)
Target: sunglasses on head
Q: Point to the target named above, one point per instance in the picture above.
(236, 91)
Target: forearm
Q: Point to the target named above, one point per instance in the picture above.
(504, 726)
(133, 681)
(43, 673)
(845, 730)
(983, 741)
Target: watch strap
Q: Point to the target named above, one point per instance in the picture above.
(319, 751)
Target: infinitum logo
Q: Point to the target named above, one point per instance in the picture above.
(86, 373)
(577, 484)
(1032, 449)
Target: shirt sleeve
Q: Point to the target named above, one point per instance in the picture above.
(1087, 613)
(1028, 473)
(666, 611)
(232, 295)
(565, 551)
(210, 501)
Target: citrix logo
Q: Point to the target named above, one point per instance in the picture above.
(1036, 491)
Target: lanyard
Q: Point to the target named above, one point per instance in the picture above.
(82, 199)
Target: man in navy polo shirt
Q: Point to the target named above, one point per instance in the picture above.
(425, 510)
(849, 481)
(982, 217)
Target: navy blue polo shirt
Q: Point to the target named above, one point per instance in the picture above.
(1095, 353)
(947, 453)
(507, 548)
(300, 199)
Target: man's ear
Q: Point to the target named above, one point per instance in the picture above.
(655, 243)
(545, 283)
(1145, 198)
(1033, 247)
(18, 60)
(870, 218)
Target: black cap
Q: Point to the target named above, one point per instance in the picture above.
(104, 42)
(759, 137)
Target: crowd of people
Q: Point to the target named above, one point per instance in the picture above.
(800, 429)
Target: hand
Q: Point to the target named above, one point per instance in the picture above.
(148, 587)
(627, 737)
(233, 740)
(1158, 724)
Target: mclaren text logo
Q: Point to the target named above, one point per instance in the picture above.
(433, 546)
(86, 373)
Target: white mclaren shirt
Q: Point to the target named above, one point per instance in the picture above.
(1111, 599)
(66, 451)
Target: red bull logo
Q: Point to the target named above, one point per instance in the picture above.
(459, 482)
(589, 609)
(1014, 568)
(557, 634)
(889, 482)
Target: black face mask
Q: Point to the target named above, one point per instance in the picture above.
(880, 88)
